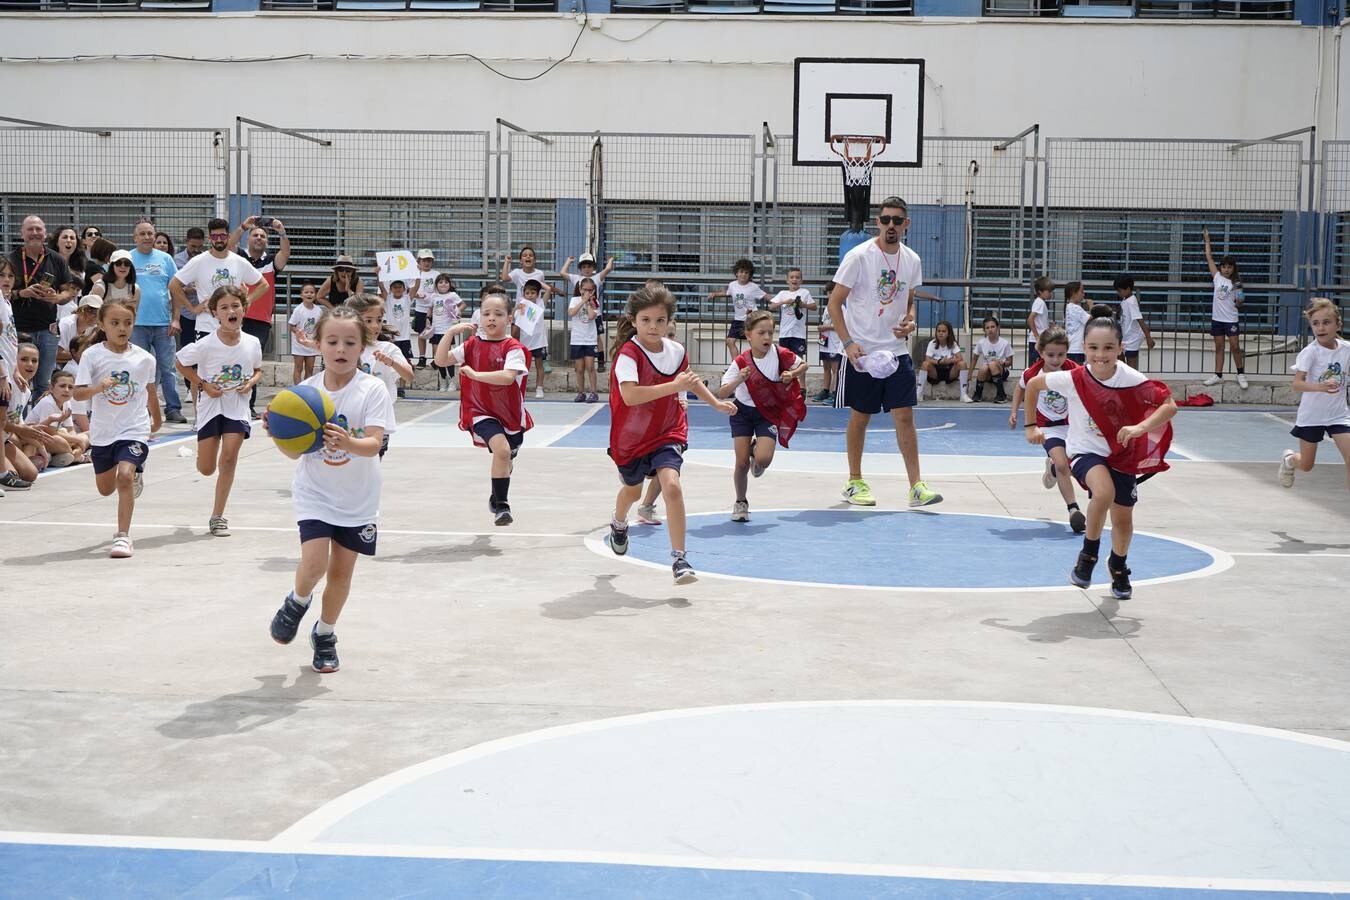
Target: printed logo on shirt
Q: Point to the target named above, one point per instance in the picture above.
(397, 310)
(311, 325)
(222, 276)
(122, 391)
(367, 534)
(1057, 403)
(741, 301)
(1332, 373)
(341, 457)
(229, 377)
(888, 288)
(153, 268)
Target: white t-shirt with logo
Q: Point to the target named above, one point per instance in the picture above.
(986, 349)
(1225, 300)
(1132, 333)
(334, 486)
(398, 316)
(1075, 320)
(768, 367)
(744, 298)
(1084, 436)
(880, 288)
(206, 273)
(117, 413)
(666, 362)
(425, 288)
(9, 337)
(1053, 405)
(227, 366)
(47, 407)
(789, 325)
(387, 374)
(582, 328)
(942, 355)
(306, 319)
(444, 311)
(1324, 364)
(518, 277)
(1041, 312)
(829, 340)
(538, 338)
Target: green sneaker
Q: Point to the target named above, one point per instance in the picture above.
(859, 494)
(921, 495)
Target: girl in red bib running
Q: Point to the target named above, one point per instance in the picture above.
(493, 370)
(649, 430)
(1052, 418)
(769, 404)
(1118, 436)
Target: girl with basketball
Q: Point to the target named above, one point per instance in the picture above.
(336, 489)
(1052, 411)
(1319, 377)
(1118, 434)
(382, 357)
(119, 378)
(769, 404)
(494, 368)
(649, 429)
(222, 368)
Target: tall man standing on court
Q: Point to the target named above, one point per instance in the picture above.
(872, 307)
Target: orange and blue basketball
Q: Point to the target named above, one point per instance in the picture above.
(295, 419)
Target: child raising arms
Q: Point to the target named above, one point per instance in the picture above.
(222, 367)
(649, 429)
(1319, 377)
(492, 382)
(336, 491)
(768, 400)
(1118, 432)
(1052, 418)
(119, 378)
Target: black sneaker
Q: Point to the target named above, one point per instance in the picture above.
(683, 572)
(325, 650)
(978, 394)
(254, 415)
(174, 417)
(13, 482)
(502, 515)
(287, 620)
(1077, 521)
(1121, 588)
(1081, 575)
(1000, 396)
(618, 539)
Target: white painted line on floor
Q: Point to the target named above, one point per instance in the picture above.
(813, 867)
(568, 429)
(1313, 555)
(840, 431)
(1190, 455)
(499, 532)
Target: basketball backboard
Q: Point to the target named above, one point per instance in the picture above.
(882, 97)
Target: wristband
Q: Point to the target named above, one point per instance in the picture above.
(848, 343)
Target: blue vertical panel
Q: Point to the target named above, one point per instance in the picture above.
(242, 206)
(1316, 12)
(569, 237)
(971, 8)
(938, 235)
(1298, 228)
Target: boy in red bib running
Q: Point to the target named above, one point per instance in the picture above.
(769, 403)
(494, 368)
(649, 430)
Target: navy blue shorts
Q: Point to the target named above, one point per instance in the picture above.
(829, 357)
(1080, 358)
(405, 346)
(356, 538)
(943, 374)
(419, 321)
(581, 351)
(748, 421)
(1032, 355)
(671, 456)
(1131, 358)
(539, 353)
(1224, 329)
(108, 456)
(220, 425)
(736, 330)
(863, 393)
(490, 428)
(1052, 443)
(1126, 492)
(796, 345)
(1313, 434)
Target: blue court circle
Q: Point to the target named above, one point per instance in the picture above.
(907, 549)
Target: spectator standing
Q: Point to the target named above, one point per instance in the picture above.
(258, 315)
(193, 243)
(42, 283)
(156, 326)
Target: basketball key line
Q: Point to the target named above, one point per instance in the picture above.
(139, 525)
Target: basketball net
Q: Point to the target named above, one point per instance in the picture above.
(858, 153)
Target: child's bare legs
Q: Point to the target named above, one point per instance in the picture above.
(733, 348)
(831, 375)
(1235, 350)
(538, 373)
(628, 495)
(120, 478)
(674, 495)
(501, 456)
(740, 471)
(1218, 354)
(320, 557)
(228, 447)
(652, 494)
(1103, 499)
(1122, 529)
(1063, 474)
(20, 464)
(1307, 454)
(590, 369)
(313, 562)
(579, 366)
(1342, 442)
(421, 346)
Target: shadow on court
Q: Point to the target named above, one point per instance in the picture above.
(244, 711)
(1290, 544)
(479, 547)
(1102, 623)
(99, 549)
(603, 599)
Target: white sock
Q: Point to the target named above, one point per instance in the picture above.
(617, 525)
(923, 379)
(965, 379)
(323, 627)
(303, 601)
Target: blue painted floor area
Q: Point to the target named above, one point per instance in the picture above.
(857, 547)
(108, 873)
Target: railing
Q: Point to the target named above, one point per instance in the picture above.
(1257, 10)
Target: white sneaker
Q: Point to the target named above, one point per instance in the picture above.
(539, 393)
(1287, 469)
(740, 511)
(965, 398)
(1212, 380)
(137, 485)
(1048, 478)
(647, 515)
(121, 546)
(1242, 381)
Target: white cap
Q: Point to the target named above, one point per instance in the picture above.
(91, 301)
(118, 255)
(586, 257)
(879, 363)
(424, 253)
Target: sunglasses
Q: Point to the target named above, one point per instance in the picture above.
(887, 220)
(122, 262)
(90, 234)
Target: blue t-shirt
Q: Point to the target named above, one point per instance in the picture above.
(153, 271)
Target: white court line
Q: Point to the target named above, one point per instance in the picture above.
(568, 429)
(140, 525)
(943, 427)
(1298, 555)
(735, 864)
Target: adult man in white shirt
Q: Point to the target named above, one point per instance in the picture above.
(872, 307)
(215, 268)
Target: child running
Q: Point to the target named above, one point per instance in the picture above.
(769, 404)
(494, 368)
(119, 378)
(649, 429)
(1052, 418)
(1319, 377)
(222, 367)
(383, 357)
(336, 491)
(1118, 435)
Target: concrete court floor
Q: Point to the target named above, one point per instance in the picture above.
(144, 697)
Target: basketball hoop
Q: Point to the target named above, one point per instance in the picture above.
(858, 153)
